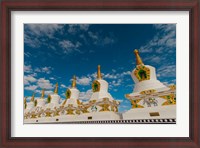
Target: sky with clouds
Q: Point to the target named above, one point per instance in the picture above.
(55, 52)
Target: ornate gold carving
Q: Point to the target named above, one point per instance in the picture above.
(96, 86)
(172, 87)
(33, 115)
(70, 110)
(171, 99)
(148, 92)
(48, 112)
(142, 72)
(49, 99)
(135, 104)
(68, 93)
(105, 107)
(138, 59)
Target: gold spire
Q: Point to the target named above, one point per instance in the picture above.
(56, 89)
(42, 96)
(25, 100)
(33, 97)
(138, 59)
(74, 82)
(99, 76)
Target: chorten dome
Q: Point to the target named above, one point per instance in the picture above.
(144, 77)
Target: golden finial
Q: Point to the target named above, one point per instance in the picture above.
(74, 82)
(99, 76)
(42, 96)
(138, 59)
(33, 97)
(25, 100)
(56, 89)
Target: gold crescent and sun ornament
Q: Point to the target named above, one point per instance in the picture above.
(141, 72)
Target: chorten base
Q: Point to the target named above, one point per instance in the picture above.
(106, 115)
(97, 116)
(161, 112)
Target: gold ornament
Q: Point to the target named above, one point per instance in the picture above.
(170, 99)
(74, 82)
(135, 104)
(142, 73)
(96, 86)
(148, 92)
(56, 89)
(138, 59)
(99, 76)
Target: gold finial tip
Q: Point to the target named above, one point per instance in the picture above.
(136, 51)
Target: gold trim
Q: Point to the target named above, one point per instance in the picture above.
(135, 104)
(96, 86)
(170, 99)
(148, 92)
(143, 68)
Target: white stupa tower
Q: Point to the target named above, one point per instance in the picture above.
(53, 100)
(72, 103)
(150, 98)
(101, 105)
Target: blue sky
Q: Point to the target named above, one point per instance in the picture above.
(55, 52)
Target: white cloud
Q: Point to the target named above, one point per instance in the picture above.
(27, 69)
(167, 71)
(85, 96)
(98, 39)
(163, 41)
(69, 47)
(74, 28)
(45, 69)
(63, 86)
(30, 79)
(31, 87)
(84, 80)
(44, 84)
(43, 29)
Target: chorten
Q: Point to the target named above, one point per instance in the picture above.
(53, 99)
(72, 103)
(150, 98)
(101, 105)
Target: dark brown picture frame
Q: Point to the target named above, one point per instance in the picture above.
(7, 6)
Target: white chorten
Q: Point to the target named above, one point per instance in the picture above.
(72, 103)
(150, 98)
(101, 105)
(53, 99)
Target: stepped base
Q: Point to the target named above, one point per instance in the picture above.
(161, 112)
(98, 116)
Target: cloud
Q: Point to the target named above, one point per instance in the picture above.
(85, 96)
(74, 28)
(84, 80)
(27, 69)
(163, 41)
(69, 47)
(45, 69)
(31, 87)
(43, 29)
(99, 39)
(29, 79)
(44, 84)
(167, 71)
(63, 86)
